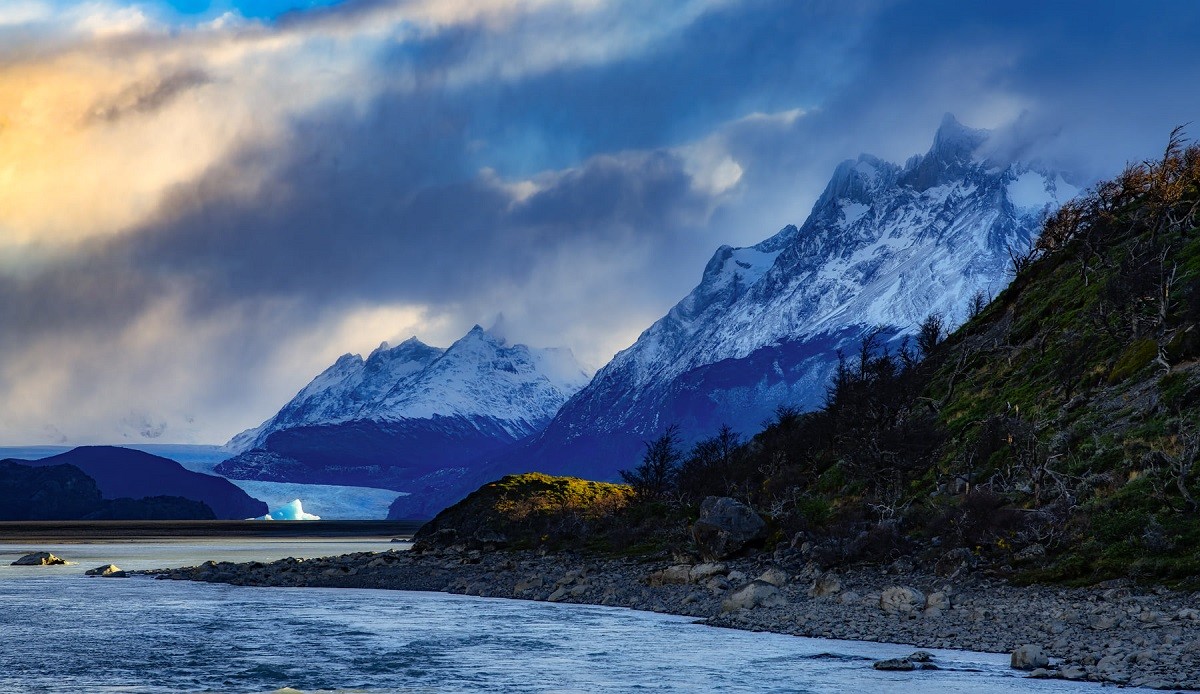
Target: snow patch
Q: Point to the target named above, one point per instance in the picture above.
(853, 211)
(1030, 191)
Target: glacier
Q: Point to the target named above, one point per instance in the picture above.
(291, 511)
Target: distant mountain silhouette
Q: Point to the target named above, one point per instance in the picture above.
(126, 473)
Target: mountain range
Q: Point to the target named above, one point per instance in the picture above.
(885, 246)
(408, 412)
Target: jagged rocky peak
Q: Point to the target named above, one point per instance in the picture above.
(479, 376)
(885, 245)
(955, 141)
(953, 153)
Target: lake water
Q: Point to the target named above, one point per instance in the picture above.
(331, 502)
(61, 631)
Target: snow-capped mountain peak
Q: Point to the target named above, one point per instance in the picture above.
(885, 245)
(479, 377)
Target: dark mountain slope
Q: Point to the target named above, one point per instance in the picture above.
(123, 472)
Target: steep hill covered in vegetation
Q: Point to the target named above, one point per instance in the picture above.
(1054, 436)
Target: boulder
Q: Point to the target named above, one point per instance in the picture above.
(107, 571)
(725, 527)
(921, 660)
(701, 572)
(756, 594)
(1029, 657)
(826, 584)
(936, 604)
(895, 665)
(775, 577)
(956, 562)
(672, 575)
(39, 559)
(848, 597)
(901, 600)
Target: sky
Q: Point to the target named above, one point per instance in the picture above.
(204, 202)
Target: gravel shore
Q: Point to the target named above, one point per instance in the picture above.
(1114, 633)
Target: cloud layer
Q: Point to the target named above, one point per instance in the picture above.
(196, 217)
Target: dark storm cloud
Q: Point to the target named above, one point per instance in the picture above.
(469, 194)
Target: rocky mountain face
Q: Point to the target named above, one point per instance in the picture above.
(408, 413)
(885, 246)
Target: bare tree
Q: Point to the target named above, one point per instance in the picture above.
(658, 473)
(930, 334)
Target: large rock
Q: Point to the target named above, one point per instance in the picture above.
(672, 575)
(39, 559)
(701, 572)
(775, 577)
(901, 600)
(106, 571)
(756, 594)
(725, 527)
(826, 584)
(1029, 657)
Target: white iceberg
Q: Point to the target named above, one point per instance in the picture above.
(293, 510)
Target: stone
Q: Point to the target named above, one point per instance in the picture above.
(725, 527)
(895, 665)
(901, 600)
(936, 604)
(775, 577)
(701, 572)
(487, 536)
(1029, 657)
(107, 571)
(756, 594)
(672, 575)
(39, 559)
(848, 597)
(528, 584)
(826, 584)
(717, 585)
(956, 562)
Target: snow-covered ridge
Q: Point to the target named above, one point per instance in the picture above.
(479, 377)
(885, 245)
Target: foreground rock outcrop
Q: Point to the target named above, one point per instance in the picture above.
(107, 571)
(725, 527)
(39, 559)
(1114, 633)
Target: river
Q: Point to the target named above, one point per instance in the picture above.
(61, 631)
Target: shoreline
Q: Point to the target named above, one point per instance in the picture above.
(1113, 633)
(84, 532)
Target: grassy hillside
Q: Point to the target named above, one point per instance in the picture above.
(1053, 437)
(1075, 395)
(530, 510)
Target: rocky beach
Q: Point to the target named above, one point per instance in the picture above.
(1115, 633)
